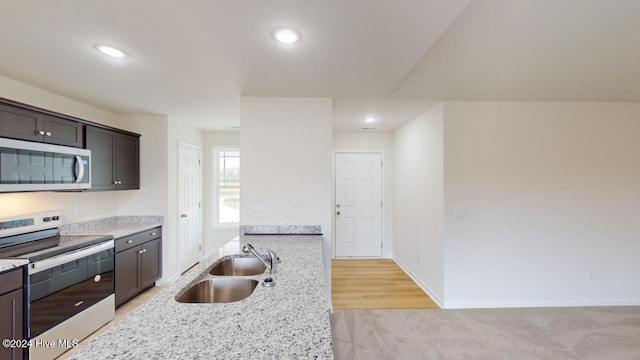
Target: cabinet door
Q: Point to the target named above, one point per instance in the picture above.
(20, 124)
(128, 162)
(127, 274)
(62, 132)
(150, 262)
(11, 323)
(102, 144)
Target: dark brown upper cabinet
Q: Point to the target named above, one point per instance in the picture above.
(26, 124)
(115, 159)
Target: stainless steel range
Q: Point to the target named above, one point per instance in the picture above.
(71, 283)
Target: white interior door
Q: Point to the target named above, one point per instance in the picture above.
(358, 205)
(189, 203)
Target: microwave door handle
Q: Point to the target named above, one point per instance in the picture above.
(80, 174)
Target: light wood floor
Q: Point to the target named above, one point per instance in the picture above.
(123, 311)
(374, 284)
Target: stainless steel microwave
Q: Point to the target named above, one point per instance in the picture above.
(32, 166)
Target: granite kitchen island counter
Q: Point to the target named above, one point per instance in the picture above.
(287, 321)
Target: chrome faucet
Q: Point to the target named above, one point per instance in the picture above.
(271, 264)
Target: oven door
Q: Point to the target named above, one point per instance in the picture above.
(65, 285)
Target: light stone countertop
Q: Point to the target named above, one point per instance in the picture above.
(8, 264)
(288, 321)
(118, 230)
(117, 226)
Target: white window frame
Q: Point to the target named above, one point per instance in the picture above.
(215, 196)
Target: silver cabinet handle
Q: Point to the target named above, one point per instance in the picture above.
(153, 234)
(40, 132)
(142, 251)
(129, 241)
(48, 133)
(115, 182)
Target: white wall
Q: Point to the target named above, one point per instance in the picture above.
(153, 196)
(286, 160)
(374, 142)
(418, 200)
(551, 196)
(27, 94)
(215, 238)
(93, 205)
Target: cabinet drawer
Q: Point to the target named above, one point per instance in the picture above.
(137, 239)
(10, 280)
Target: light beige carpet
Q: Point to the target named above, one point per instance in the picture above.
(601, 333)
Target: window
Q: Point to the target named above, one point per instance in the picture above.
(226, 185)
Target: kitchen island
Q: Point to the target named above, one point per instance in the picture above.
(287, 321)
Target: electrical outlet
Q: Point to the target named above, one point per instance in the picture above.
(289, 211)
(77, 209)
(259, 211)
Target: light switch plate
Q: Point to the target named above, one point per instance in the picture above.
(259, 211)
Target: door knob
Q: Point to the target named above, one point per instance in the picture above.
(183, 215)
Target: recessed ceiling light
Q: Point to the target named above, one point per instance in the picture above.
(286, 35)
(370, 120)
(111, 51)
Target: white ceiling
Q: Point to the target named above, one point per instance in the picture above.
(193, 59)
(544, 50)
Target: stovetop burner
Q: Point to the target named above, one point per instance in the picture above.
(35, 237)
(65, 244)
(19, 250)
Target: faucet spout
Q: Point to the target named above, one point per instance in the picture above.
(270, 264)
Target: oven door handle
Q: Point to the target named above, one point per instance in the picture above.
(49, 263)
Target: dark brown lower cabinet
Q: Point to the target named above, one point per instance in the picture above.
(150, 263)
(138, 264)
(12, 315)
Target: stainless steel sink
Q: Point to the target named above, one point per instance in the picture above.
(219, 290)
(238, 266)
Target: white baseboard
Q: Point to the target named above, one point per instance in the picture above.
(169, 280)
(422, 285)
(515, 304)
(539, 304)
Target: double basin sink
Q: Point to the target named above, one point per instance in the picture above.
(232, 278)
